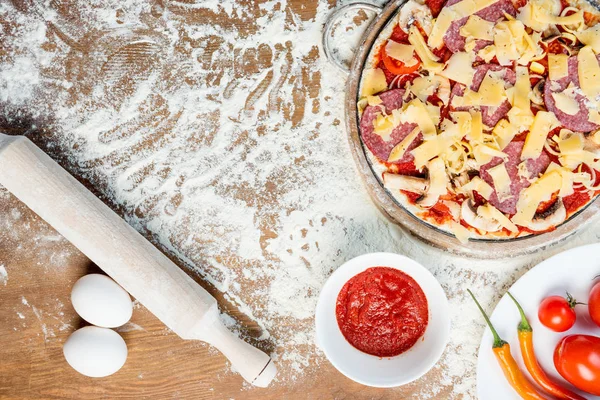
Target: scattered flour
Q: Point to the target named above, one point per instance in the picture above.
(3, 275)
(128, 327)
(223, 142)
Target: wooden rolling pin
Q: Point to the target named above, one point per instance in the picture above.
(106, 239)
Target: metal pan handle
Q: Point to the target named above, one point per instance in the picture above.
(330, 23)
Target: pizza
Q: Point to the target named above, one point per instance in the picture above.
(482, 117)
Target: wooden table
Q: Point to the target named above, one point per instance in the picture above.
(36, 316)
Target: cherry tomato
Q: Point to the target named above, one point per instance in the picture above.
(577, 359)
(594, 304)
(557, 313)
(397, 67)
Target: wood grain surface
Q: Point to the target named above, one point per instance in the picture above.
(36, 316)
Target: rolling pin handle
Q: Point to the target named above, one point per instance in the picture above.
(252, 364)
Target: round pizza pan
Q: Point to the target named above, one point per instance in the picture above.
(397, 213)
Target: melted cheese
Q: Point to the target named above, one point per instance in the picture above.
(501, 181)
(588, 71)
(400, 149)
(459, 68)
(430, 60)
(373, 82)
(543, 123)
(558, 66)
(401, 52)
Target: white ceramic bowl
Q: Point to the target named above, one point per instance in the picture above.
(388, 371)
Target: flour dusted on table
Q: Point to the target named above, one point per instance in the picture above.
(3, 275)
(216, 128)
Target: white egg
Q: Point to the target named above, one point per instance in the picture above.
(101, 301)
(95, 352)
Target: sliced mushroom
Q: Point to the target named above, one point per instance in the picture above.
(537, 94)
(469, 214)
(461, 180)
(431, 189)
(415, 11)
(438, 183)
(404, 182)
(550, 218)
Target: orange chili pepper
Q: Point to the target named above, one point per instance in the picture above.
(525, 333)
(508, 364)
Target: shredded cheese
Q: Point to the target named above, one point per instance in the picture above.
(501, 181)
(401, 52)
(400, 149)
(588, 71)
(373, 82)
(430, 60)
(543, 123)
(520, 114)
(490, 212)
(558, 66)
(539, 191)
(415, 112)
(459, 68)
(452, 13)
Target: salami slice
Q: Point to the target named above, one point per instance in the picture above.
(578, 122)
(455, 42)
(489, 115)
(518, 183)
(391, 100)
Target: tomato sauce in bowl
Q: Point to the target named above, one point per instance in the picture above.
(382, 311)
